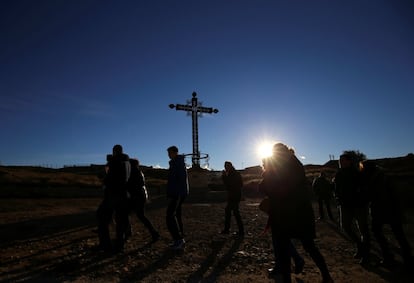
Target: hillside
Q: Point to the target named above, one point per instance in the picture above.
(87, 180)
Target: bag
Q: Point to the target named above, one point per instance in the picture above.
(265, 205)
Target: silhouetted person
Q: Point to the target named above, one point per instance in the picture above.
(177, 191)
(353, 203)
(115, 200)
(139, 196)
(234, 183)
(323, 190)
(385, 210)
(297, 258)
(291, 213)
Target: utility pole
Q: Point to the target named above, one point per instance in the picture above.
(196, 109)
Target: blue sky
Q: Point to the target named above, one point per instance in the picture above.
(77, 77)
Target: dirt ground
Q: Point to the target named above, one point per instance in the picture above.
(51, 240)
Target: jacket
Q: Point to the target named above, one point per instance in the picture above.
(119, 170)
(349, 191)
(177, 185)
(285, 184)
(322, 187)
(136, 185)
(234, 183)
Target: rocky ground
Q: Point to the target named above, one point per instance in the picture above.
(51, 240)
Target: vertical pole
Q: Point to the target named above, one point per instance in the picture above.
(196, 154)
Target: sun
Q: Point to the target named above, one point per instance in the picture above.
(264, 149)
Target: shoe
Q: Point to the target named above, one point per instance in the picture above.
(364, 261)
(127, 235)
(273, 271)
(408, 263)
(299, 266)
(388, 263)
(238, 234)
(155, 237)
(327, 279)
(357, 255)
(118, 247)
(178, 245)
(102, 248)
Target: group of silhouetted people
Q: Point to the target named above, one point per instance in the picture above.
(125, 192)
(360, 188)
(363, 192)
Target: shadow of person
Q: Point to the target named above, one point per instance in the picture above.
(216, 246)
(218, 265)
(155, 266)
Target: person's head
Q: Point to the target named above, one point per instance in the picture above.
(322, 174)
(351, 158)
(172, 151)
(134, 162)
(117, 150)
(346, 160)
(228, 166)
(369, 167)
(280, 148)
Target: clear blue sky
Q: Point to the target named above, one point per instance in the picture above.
(78, 76)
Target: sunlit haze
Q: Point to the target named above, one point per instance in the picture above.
(264, 149)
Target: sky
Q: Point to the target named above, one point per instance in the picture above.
(322, 76)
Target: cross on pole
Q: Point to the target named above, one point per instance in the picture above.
(195, 108)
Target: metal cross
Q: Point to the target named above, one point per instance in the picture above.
(195, 108)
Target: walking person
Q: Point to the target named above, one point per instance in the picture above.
(291, 213)
(385, 210)
(323, 191)
(138, 197)
(177, 191)
(353, 202)
(115, 200)
(234, 183)
(297, 258)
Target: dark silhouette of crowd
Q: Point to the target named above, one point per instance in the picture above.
(364, 195)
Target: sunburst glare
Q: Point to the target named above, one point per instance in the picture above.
(264, 149)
